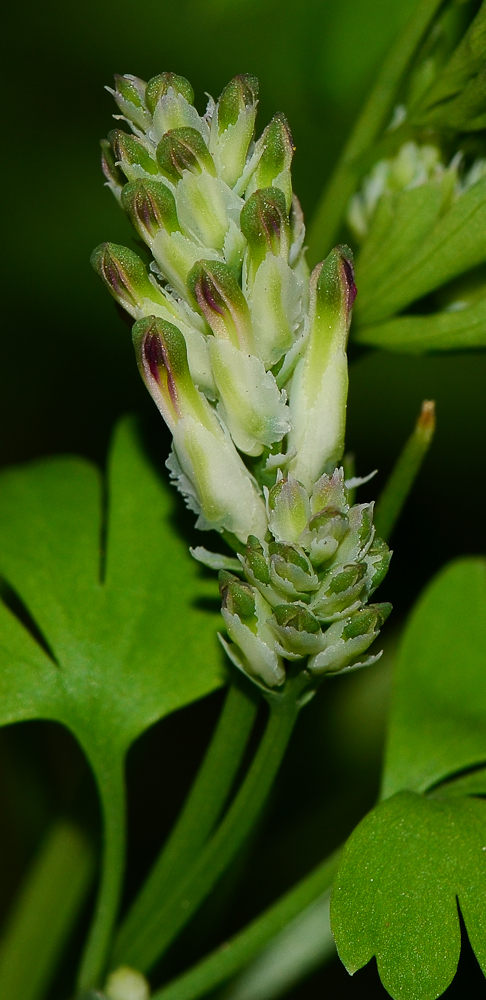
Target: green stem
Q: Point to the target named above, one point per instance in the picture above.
(228, 838)
(391, 501)
(112, 794)
(45, 912)
(198, 818)
(233, 955)
(372, 120)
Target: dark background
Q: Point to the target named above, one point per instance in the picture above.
(67, 372)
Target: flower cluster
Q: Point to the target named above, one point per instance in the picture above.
(244, 354)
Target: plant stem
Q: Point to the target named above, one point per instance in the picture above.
(199, 815)
(233, 955)
(399, 484)
(112, 794)
(45, 912)
(372, 120)
(228, 838)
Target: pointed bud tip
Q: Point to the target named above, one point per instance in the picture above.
(159, 85)
(426, 420)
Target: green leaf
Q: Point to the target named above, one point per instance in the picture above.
(396, 891)
(437, 722)
(127, 649)
(455, 244)
(444, 331)
(117, 640)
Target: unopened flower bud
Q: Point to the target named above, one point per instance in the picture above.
(297, 629)
(114, 177)
(275, 150)
(245, 614)
(183, 149)
(206, 466)
(237, 597)
(323, 534)
(222, 303)
(152, 210)
(288, 510)
(151, 207)
(159, 85)
(378, 559)
(342, 591)
(320, 382)
(132, 155)
(348, 639)
(291, 571)
(256, 560)
(330, 491)
(360, 534)
(161, 354)
(236, 113)
(125, 276)
(170, 99)
(129, 94)
(265, 224)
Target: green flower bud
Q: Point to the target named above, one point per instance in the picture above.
(291, 571)
(288, 510)
(234, 122)
(183, 149)
(209, 211)
(132, 155)
(237, 597)
(159, 86)
(256, 560)
(161, 354)
(254, 650)
(265, 224)
(222, 303)
(360, 535)
(298, 631)
(274, 154)
(378, 560)
(151, 207)
(170, 98)
(320, 382)
(114, 177)
(125, 276)
(129, 94)
(152, 210)
(348, 639)
(342, 591)
(324, 534)
(206, 466)
(330, 491)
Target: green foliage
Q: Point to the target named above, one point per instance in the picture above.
(403, 867)
(395, 892)
(112, 616)
(433, 253)
(118, 623)
(437, 719)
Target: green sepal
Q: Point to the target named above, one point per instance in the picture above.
(151, 207)
(221, 301)
(131, 155)
(183, 149)
(159, 85)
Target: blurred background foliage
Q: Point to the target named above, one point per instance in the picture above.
(67, 371)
